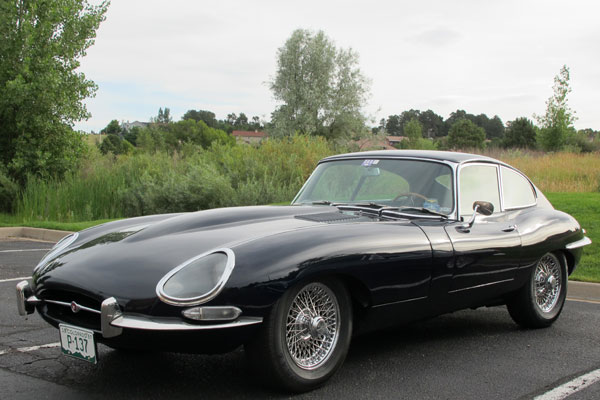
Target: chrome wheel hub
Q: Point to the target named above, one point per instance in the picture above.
(547, 283)
(312, 326)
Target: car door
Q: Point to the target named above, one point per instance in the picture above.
(487, 252)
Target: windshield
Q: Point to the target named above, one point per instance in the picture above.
(394, 183)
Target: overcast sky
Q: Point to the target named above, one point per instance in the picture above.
(487, 57)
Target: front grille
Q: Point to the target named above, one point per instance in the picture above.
(63, 312)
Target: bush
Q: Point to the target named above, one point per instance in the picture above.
(8, 191)
(191, 179)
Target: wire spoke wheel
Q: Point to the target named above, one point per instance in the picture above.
(312, 326)
(547, 283)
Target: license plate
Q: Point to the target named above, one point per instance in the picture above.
(77, 342)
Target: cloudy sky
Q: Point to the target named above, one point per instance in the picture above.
(493, 57)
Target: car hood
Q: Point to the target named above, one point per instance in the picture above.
(131, 256)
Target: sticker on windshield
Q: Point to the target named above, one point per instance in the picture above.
(368, 163)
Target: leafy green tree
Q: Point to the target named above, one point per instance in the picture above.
(163, 117)
(557, 123)
(433, 124)
(321, 87)
(520, 133)
(41, 91)
(464, 134)
(113, 128)
(413, 130)
(208, 117)
(393, 126)
(115, 145)
(132, 134)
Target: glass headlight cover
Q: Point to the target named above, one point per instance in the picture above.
(58, 248)
(198, 279)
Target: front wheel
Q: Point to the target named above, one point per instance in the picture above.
(539, 303)
(305, 338)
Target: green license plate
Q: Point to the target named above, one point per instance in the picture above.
(77, 342)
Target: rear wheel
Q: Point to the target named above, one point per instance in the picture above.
(539, 303)
(305, 338)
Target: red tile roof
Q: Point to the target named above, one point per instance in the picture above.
(249, 134)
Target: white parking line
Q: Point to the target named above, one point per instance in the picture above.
(21, 250)
(584, 300)
(32, 348)
(565, 390)
(15, 279)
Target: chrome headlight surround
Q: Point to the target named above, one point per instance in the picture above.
(205, 297)
(58, 248)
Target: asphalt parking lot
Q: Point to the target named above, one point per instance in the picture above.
(475, 354)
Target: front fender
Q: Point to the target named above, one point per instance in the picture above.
(391, 259)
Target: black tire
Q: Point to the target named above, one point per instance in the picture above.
(537, 304)
(278, 363)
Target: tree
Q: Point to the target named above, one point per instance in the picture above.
(520, 133)
(163, 117)
(393, 126)
(208, 117)
(433, 124)
(41, 91)
(114, 144)
(113, 128)
(557, 124)
(321, 87)
(414, 131)
(464, 134)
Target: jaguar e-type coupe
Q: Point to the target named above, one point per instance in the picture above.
(371, 240)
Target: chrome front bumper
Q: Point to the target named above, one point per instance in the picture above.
(113, 320)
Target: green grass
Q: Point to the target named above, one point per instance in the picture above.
(585, 207)
(7, 220)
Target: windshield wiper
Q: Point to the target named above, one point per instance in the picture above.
(325, 203)
(419, 209)
(369, 204)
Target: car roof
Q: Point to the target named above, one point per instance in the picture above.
(451, 156)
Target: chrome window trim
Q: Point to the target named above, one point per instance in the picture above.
(478, 163)
(211, 294)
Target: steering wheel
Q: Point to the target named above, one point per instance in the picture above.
(412, 195)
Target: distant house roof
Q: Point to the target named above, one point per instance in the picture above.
(249, 134)
(128, 125)
(374, 143)
(395, 138)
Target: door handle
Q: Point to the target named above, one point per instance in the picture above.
(509, 228)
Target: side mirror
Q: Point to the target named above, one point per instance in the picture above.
(481, 207)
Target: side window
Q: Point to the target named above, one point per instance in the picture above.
(478, 183)
(516, 190)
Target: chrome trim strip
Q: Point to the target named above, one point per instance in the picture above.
(480, 286)
(579, 243)
(205, 297)
(68, 305)
(171, 324)
(401, 301)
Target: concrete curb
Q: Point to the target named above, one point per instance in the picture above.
(46, 235)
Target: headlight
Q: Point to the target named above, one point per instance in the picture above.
(58, 248)
(198, 279)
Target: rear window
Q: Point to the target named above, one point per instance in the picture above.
(516, 190)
